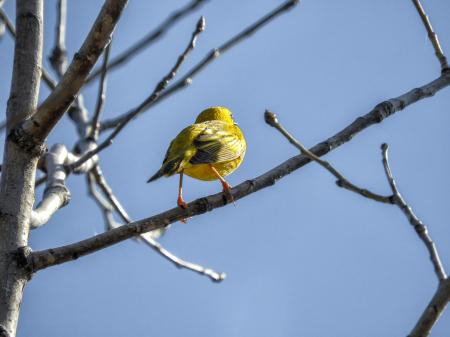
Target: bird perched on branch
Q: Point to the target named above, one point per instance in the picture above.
(209, 149)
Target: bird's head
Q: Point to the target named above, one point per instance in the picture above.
(215, 113)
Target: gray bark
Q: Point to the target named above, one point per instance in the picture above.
(19, 163)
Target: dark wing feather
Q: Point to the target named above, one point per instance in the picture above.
(215, 145)
(168, 167)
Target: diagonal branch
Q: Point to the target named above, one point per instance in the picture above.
(110, 203)
(433, 310)
(180, 263)
(442, 295)
(55, 105)
(150, 38)
(396, 198)
(341, 181)
(418, 226)
(2, 24)
(7, 22)
(152, 98)
(50, 257)
(209, 58)
(432, 36)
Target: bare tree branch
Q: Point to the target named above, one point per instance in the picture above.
(442, 296)
(58, 59)
(111, 203)
(152, 98)
(209, 58)
(52, 109)
(432, 36)
(396, 198)
(95, 125)
(418, 226)
(147, 238)
(150, 38)
(7, 22)
(433, 310)
(56, 194)
(2, 24)
(272, 120)
(108, 193)
(46, 258)
(179, 263)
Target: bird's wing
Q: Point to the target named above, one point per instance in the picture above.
(180, 150)
(217, 143)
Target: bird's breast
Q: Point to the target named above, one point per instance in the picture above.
(204, 172)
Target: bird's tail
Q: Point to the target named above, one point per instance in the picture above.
(169, 168)
(157, 175)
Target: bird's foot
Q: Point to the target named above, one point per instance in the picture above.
(227, 190)
(182, 204)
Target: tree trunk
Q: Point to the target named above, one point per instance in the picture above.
(19, 163)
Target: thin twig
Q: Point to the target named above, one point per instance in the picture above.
(396, 198)
(58, 58)
(147, 238)
(209, 58)
(442, 296)
(95, 125)
(2, 24)
(152, 98)
(432, 36)
(179, 263)
(40, 181)
(150, 38)
(8, 23)
(418, 226)
(50, 257)
(272, 119)
(107, 191)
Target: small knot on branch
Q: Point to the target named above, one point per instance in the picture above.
(383, 110)
(445, 70)
(271, 118)
(201, 24)
(215, 53)
(215, 276)
(4, 332)
(23, 255)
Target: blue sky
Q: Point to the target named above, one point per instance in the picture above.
(303, 258)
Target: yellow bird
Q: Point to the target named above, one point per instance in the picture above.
(209, 149)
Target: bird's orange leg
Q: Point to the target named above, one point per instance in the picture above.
(180, 201)
(225, 185)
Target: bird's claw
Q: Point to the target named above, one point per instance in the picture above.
(227, 190)
(183, 205)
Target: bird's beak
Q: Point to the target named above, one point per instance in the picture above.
(236, 123)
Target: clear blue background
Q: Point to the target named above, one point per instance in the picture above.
(303, 258)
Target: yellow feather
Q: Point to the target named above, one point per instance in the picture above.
(213, 140)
